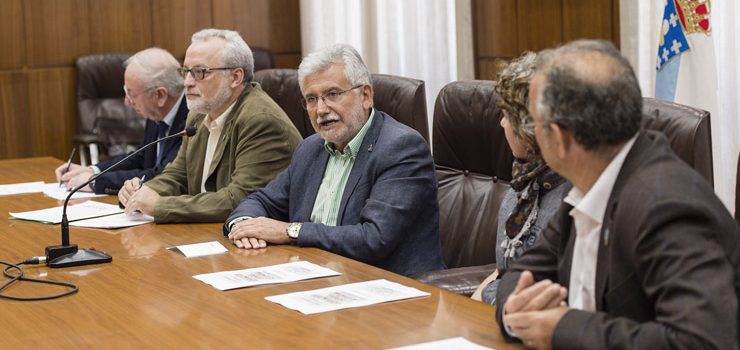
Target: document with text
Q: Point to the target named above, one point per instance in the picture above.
(86, 210)
(289, 272)
(114, 221)
(458, 343)
(21, 188)
(54, 191)
(346, 296)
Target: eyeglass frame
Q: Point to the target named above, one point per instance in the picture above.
(335, 96)
(127, 93)
(183, 71)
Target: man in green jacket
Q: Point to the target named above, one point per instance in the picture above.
(243, 138)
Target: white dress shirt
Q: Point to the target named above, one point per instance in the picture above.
(588, 216)
(214, 134)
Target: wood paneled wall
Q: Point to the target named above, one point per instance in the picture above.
(504, 29)
(42, 39)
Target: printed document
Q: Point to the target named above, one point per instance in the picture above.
(200, 249)
(458, 343)
(114, 221)
(290, 272)
(86, 210)
(21, 188)
(346, 296)
(54, 191)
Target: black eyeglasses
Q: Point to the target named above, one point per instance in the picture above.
(331, 97)
(199, 73)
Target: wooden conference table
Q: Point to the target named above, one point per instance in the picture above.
(147, 297)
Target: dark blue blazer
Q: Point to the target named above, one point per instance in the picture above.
(388, 217)
(144, 163)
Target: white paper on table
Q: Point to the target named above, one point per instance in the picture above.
(21, 188)
(86, 210)
(54, 191)
(114, 221)
(200, 249)
(282, 273)
(346, 296)
(458, 343)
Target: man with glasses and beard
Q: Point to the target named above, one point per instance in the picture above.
(363, 186)
(243, 138)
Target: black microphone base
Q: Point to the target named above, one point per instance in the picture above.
(69, 255)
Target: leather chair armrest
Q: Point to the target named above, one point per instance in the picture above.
(461, 280)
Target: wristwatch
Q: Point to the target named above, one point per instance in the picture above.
(293, 230)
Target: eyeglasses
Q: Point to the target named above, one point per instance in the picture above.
(331, 97)
(132, 96)
(199, 73)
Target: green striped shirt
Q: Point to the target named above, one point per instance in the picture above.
(326, 207)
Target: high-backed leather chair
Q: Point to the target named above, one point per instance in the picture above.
(737, 191)
(262, 58)
(402, 98)
(686, 128)
(104, 122)
(473, 167)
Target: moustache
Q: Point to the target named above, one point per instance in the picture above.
(331, 117)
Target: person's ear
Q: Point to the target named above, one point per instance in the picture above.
(563, 140)
(238, 77)
(162, 94)
(367, 96)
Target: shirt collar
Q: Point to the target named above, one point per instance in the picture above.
(593, 203)
(170, 117)
(354, 145)
(218, 123)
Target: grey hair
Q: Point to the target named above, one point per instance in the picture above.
(590, 89)
(236, 52)
(158, 68)
(355, 70)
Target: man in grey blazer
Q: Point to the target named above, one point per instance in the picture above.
(642, 254)
(363, 186)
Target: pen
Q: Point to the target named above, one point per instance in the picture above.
(69, 162)
(141, 181)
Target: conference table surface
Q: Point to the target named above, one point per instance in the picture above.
(147, 297)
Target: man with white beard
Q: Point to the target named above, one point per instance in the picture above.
(243, 138)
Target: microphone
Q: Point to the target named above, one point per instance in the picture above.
(66, 254)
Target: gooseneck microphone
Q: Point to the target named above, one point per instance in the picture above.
(66, 254)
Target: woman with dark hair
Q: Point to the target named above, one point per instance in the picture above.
(536, 191)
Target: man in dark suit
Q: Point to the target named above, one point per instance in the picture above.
(642, 254)
(155, 90)
(362, 187)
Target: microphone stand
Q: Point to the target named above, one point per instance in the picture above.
(66, 254)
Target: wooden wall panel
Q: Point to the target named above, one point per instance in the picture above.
(120, 25)
(248, 17)
(57, 32)
(175, 21)
(284, 26)
(287, 60)
(591, 19)
(496, 21)
(51, 94)
(15, 125)
(11, 35)
(539, 23)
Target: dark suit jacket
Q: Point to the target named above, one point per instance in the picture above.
(388, 216)
(145, 162)
(668, 271)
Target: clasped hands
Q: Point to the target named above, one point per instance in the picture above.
(257, 232)
(534, 309)
(137, 197)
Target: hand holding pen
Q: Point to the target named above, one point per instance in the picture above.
(69, 163)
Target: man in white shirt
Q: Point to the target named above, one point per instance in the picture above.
(642, 254)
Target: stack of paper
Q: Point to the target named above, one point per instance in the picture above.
(290, 272)
(86, 210)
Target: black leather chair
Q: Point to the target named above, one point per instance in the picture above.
(473, 167)
(105, 125)
(402, 98)
(737, 191)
